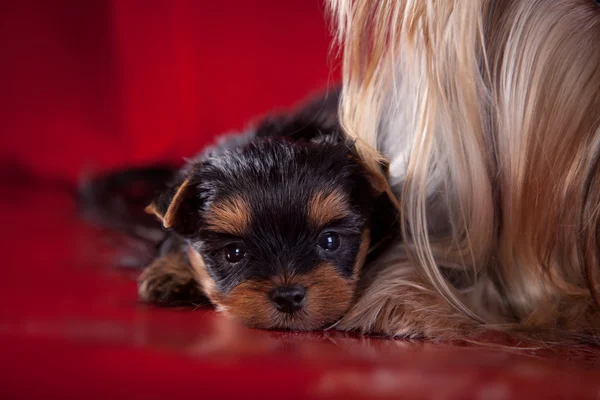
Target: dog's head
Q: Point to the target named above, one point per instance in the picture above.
(278, 228)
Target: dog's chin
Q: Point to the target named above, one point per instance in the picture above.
(298, 321)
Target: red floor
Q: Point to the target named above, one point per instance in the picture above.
(71, 328)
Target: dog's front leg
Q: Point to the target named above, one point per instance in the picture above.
(395, 301)
(170, 281)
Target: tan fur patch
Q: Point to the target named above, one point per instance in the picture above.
(231, 215)
(363, 250)
(170, 215)
(151, 209)
(169, 279)
(202, 276)
(324, 208)
(328, 296)
(250, 303)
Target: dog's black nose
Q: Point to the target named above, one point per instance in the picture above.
(288, 299)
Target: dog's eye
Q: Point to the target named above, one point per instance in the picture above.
(235, 253)
(329, 241)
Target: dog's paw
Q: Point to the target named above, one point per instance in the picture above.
(397, 302)
(166, 286)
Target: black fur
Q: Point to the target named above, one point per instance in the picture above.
(116, 202)
(278, 177)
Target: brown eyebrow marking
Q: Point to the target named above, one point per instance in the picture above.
(323, 208)
(230, 215)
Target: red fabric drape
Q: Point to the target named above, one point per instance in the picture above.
(101, 84)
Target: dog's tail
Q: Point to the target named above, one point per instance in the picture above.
(115, 203)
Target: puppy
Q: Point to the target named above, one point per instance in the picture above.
(489, 113)
(273, 227)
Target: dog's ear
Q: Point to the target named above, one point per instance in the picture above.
(178, 206)
(372, 187)
(377, 175)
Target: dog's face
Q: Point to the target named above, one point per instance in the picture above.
(278, 230)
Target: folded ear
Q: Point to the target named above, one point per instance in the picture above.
(373, 188)
(377, 171)
(178, 207)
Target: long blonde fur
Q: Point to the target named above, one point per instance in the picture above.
(489, 113)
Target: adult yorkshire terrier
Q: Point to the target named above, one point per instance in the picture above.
(489, 113)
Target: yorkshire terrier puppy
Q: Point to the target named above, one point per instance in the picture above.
(273, 227)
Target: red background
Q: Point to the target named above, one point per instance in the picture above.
(104, 84)
(99, 84)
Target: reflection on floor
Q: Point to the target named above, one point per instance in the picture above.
(71, 328)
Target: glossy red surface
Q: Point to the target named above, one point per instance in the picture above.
(112, 83)
(71, 328)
